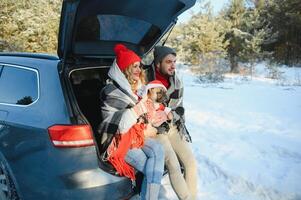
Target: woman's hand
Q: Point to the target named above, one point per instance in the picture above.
(150, 131)
(141, 107)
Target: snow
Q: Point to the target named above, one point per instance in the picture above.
(246, 135)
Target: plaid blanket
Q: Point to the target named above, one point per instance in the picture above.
(116, 99)
(175, 96)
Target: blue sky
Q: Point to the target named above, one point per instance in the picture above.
(216, 4)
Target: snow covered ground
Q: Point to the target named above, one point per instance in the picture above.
(246, 136)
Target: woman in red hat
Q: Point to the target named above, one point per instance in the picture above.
(127, 142)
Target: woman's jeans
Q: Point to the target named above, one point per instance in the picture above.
(150, 161)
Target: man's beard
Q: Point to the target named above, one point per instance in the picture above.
(166, 73)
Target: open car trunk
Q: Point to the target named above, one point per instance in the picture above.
(87, 84)
(89, 30)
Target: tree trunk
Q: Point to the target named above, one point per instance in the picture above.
(233, 64)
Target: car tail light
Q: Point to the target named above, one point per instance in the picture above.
(71, 135)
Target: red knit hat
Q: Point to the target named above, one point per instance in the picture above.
(155, 84)
(125, 56)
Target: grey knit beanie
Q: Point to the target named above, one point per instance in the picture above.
(161, 51)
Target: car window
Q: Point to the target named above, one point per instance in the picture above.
(114, 28)
(18, 85)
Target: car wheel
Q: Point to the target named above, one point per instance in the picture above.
(7, 186)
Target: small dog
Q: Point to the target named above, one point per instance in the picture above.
(156, 98)
(157, 95)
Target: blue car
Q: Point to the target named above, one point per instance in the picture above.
(49, 105)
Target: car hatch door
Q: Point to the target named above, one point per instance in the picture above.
(91, 28)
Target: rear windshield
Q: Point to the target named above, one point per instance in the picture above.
(115, 28)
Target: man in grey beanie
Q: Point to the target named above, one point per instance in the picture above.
(176, 138)
(161, 51)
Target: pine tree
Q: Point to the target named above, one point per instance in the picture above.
(29, 25)
(201, 41)
(236, 36)
(284, 17)
(247, 33)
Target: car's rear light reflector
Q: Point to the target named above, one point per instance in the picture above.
(71, 135)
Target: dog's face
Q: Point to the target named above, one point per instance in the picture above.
(157, 95)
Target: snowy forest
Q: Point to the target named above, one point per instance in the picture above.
(244, 31)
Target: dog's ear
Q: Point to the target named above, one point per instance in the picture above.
(149, 92)
(162, 97)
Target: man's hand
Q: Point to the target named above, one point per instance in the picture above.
(169, 116)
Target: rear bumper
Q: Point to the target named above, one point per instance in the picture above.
(71, 173)
(115, 191)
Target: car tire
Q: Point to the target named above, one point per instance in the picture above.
(7, 186)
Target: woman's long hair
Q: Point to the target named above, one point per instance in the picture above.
(134, 84)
